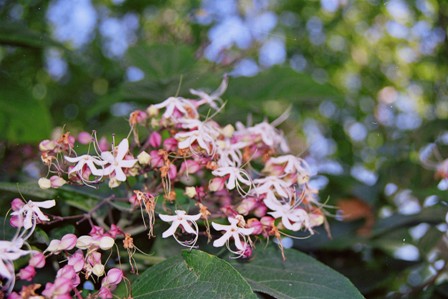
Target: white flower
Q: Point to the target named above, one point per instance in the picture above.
(204, 140)
(292, 163)
(88, 160)
(232, 231)
(293, 218)
(230, 153)
(180, 104)
(273, 183)
(185, 221)
(214, 96)
(236, 176)
(9, 252)
(30, 212)
(117, 161)
(268, 134)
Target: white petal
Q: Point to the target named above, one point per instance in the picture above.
(218, 226)
(188, 227)
(245, 231)
(74, 159)
(221, 241)
(123, 148)
(107, 156)
(127, 163)
(193, 217)
(119, 174)
(170, 231)
(45, 204)
(167, 218)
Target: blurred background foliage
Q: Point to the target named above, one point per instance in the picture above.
(366, 82)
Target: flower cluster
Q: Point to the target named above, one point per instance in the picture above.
(233, 184)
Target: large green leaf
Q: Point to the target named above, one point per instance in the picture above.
(279, 83)
(22, 118)
(195, 274)
(300, 276)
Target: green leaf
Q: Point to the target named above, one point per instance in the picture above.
(23, 119)
(19, 35)
(300, 276)
(278, 83)
(74, 197)
(434, 214)
(28, 189)
(162, 62)
(195, 274)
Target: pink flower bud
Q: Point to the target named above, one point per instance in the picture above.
(27, 273)
(156, 159)
(115, 231)
(94, 258)
(247, 205)
(172, 172)
(96, 231)
(62, 286)
(268, 224)
(247, 252)
(76, 261)
(67, 271)
(68, 242)
(260, 210)
(17, 204)
(57, 181)
(16, 221)
(37, 260)
(133, 201)
(170, 144)
(155, 139)
(47, 145)
(103, 144)
(71, 141)
(216, 184)
(84, 138)
(105, 293)
(189, 167)
(114, 276)
(137, 117)
(256, 225)
(14, 295)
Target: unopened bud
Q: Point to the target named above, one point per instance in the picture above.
(84, 242)
(113, 183)
(57, 181)
(47, 145)
(152, 111)
(144, 158)
(44, 183)
(190, 192)
(98, 270)
(68, 241)
(84, 138)
(114, 276)
(37, 260)
(53, 246)
(155, 139)
(106, 243)
(27, 273)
